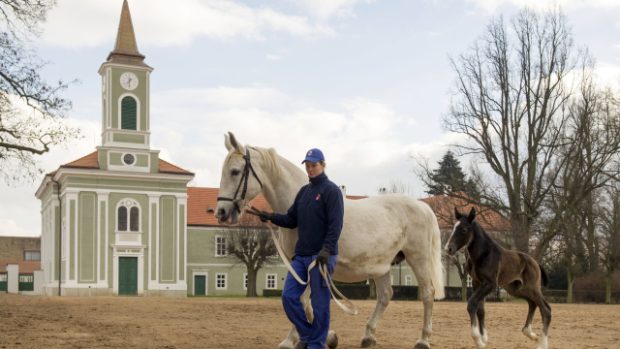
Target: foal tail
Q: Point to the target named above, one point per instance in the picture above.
(543, 276)
(436, 264)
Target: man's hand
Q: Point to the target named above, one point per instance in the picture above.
(264, 216)
(323, 256)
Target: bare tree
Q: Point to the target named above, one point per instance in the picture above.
(610, 246)
(30, 108)
(511, 94)
(252, 245)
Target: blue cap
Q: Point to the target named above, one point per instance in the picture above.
(314, 155)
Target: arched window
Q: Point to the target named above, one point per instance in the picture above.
(129, 113)
(128, 216)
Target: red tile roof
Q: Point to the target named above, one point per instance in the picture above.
(91, 161)
(166, 167)
(443, 206)
(202, 203)
(24, 266)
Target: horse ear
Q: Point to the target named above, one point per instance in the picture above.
(472, 215)
(227, 143)
(457, 214)
(235, 144)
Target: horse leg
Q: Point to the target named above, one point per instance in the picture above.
(384, 294)
(545, 312)
(527, 328)
(291, 339)
(472, 308)
(422, 270)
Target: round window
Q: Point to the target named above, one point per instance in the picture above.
(129, 159)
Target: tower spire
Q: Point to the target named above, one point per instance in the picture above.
(126, 48)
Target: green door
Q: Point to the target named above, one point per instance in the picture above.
(128, 275)
(200, 282)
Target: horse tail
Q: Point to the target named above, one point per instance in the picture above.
(436, 264)
(543, 276)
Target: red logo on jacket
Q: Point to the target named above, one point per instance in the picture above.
(318, 197)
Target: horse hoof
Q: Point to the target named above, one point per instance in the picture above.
(332, 340)
(422, 345)
(285, 345)
(531, 335)
(301, 345)
(368, 342)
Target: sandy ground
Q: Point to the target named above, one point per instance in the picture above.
(152, 322)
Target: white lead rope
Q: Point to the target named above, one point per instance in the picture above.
(344, 303)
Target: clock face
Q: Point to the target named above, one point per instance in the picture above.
(129, 81)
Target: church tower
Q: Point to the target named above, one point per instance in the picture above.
(125, 78)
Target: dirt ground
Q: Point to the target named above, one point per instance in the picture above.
(169, 323)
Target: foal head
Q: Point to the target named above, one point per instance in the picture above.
(463, 232)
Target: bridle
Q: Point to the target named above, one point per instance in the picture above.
(244, 180)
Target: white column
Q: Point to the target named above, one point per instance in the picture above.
(182, 200)
(153, 247)
(72, 195)
(12, 271)
(102, 199)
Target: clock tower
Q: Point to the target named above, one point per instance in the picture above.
(125, 138)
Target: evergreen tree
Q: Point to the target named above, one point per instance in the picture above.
(449, 178)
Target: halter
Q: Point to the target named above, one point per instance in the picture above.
(244, 179)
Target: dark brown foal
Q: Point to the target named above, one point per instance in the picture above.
(491, 266)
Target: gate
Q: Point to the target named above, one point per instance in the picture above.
(26, 282)
(3, 282)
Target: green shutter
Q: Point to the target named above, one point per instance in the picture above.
(129, 110)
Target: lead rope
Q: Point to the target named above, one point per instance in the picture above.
(344, 303)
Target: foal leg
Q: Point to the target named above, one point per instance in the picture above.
(545, 312)
(472, 308)
(384, 294)
(483, 330)
(527, 328)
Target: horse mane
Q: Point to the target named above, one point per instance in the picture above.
(270, 159)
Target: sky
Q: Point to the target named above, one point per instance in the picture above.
(367, 81)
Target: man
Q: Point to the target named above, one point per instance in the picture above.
(317, 213)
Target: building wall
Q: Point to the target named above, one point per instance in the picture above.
(202, 260)
(12, 248)
(92, 244)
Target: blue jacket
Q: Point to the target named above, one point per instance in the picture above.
(317, 212)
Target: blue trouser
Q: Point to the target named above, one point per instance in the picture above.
(314, 334)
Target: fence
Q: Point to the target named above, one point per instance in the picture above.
(581, 296)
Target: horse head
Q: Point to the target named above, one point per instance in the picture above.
(462, 233)
(239, 183)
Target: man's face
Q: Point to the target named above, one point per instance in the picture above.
(313, 169)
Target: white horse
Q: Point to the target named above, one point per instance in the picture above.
(375, 230)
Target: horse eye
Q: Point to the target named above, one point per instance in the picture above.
(235, 172)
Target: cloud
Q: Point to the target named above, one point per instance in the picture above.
(326, 9)
(156, 23)
(493, 5)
